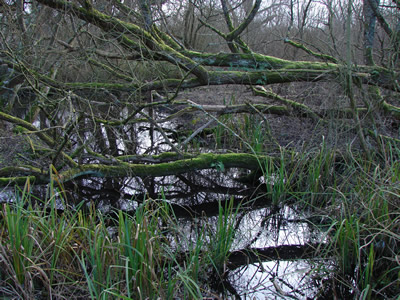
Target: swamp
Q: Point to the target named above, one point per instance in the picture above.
(199, 149)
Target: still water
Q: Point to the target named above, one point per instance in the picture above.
(272, 252)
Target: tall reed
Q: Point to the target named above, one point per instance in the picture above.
(222, 237)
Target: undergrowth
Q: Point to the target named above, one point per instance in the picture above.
(50, 250)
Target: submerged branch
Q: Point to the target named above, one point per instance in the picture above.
(284, 252)
(249, 256)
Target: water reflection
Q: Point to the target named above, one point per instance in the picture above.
(272, 252)
(274, 245)
(274, 280)
(285, 272)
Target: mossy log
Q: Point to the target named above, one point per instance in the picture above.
(19, 180)
(251, 68)
(202, 161)
(173, 167)
(43, 136)
(244, 77)
(20, 170)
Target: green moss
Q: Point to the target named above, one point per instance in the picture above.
(202, 161)
(6, 171)
(253, 61)
(391, 109)
(4, 181)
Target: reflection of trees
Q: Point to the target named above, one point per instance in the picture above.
(190, 195)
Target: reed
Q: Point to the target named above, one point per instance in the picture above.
(77, 254)
(222, 236)
(365, 238)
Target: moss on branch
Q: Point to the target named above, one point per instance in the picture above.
(164, 164)
(44, 137)
(391, 109)
(254, 61)
(301, 108)
(202, 161)
(20, 170)
(270, 69)
(5, 181)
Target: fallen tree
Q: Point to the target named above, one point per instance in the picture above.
(92, 111)
(122, 169)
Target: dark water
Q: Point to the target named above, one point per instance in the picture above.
(281, 232)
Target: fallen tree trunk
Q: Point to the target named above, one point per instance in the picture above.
(253, 68)
(122, 169)
(202, 161)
